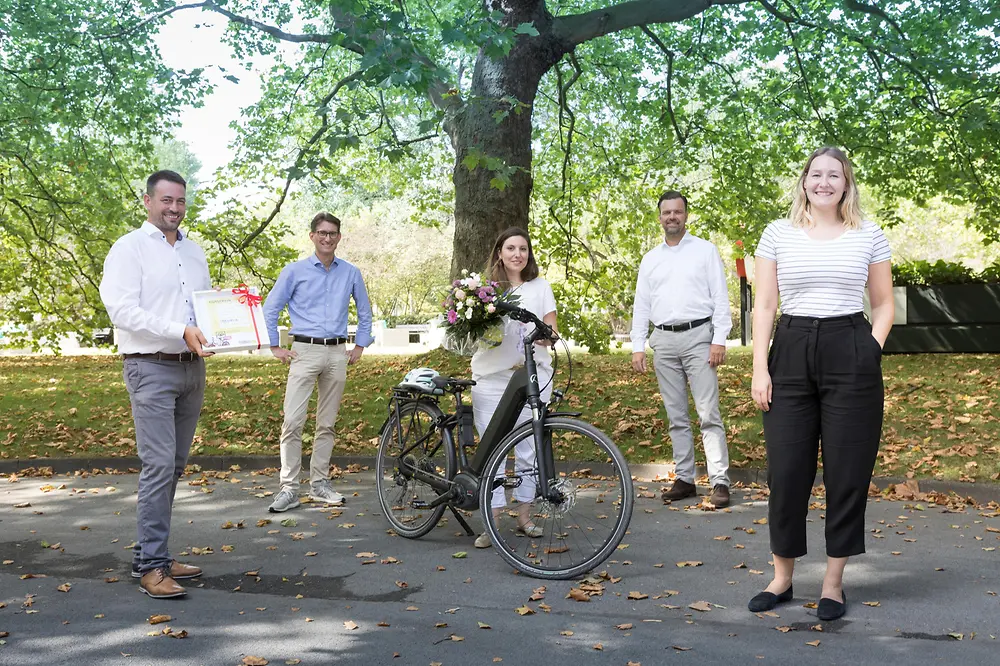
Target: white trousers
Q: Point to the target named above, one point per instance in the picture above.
(486, 396)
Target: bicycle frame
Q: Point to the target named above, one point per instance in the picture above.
(522, 388)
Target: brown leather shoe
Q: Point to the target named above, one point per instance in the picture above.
(177, 571)
(679, 490)
(181, 571)
(720, 496)
(159, 585)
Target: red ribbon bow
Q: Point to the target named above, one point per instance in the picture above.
(250, 300)
(246, 297)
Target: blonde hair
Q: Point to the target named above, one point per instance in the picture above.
(850, 204)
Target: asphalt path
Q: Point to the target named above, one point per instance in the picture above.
(338, 587)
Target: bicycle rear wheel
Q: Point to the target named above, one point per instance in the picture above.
(575, 534)
(416, 444)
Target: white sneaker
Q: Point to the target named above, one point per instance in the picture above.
(322, 491)
(283, 501)
(483, 541)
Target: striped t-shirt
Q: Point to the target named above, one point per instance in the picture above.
(822, 278)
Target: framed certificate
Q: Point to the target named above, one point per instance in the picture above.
(231, 319)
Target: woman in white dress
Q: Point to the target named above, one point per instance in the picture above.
(512, 264)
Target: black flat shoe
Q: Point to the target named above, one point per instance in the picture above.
(765, 601)
(829, 609)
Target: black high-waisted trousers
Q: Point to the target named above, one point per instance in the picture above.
(826, 377)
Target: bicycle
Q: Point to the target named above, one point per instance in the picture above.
(583, 493)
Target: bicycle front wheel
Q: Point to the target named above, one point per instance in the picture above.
(565, 538)
(412, 443)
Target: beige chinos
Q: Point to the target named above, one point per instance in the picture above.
(327, 365)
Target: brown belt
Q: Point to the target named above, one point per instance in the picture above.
(183, 357)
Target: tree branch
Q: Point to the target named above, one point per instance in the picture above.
(317, 135)
(872, 10)
(681, 137)
(578, 28)
(151, 19)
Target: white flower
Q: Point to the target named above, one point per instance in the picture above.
(468, 314)
(491, 308)
(470, 301)
(459, 294)
(459, 305)
(473, 281)
(465, 271)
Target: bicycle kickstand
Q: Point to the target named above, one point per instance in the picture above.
(461, 521)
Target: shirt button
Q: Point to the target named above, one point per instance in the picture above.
(815, 323)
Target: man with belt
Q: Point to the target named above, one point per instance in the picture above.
(149, 275)
(317, 291)
(682, 289)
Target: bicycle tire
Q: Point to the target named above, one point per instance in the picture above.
(572, 541)
(401, 496)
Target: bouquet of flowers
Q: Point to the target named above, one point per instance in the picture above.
(471, 319)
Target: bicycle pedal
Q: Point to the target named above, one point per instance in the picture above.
(419, 504)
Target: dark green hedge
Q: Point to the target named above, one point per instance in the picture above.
(942, 272)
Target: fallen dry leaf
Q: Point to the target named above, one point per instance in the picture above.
(701, 606)
(577, 594)
(598, 647)
(350, 625)
(638, 595)
(690, 563)
(566, 632)
(624, 627)
(524, 610)
(157, 619)
(65, 587)
(813, 643)
(250, 660)
(679, 648)
(483, 625)
(873, 604)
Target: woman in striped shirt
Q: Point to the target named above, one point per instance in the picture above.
(821, 381)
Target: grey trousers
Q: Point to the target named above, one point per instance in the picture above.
(681, 358)
(166, 401)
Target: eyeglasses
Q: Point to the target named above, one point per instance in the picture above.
(327, 234)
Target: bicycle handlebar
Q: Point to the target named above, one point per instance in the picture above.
(528, 317)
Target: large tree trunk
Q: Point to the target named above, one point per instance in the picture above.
(482, 210)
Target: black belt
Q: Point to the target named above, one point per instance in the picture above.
(683, 327)
(319, 341)
(184, 357)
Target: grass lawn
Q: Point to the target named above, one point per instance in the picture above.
(940, 420)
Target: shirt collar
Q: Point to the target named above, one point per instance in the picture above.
(685, 239)
(151, 230)
(316, 262)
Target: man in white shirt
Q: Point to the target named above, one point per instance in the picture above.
(149, 275)
(681, 289)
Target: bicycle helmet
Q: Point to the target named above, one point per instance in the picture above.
(421, 380)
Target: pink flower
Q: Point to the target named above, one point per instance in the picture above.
(452, 316)
(483, 294)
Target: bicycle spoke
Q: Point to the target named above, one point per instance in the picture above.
(578, 532)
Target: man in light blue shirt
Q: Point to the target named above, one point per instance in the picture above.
(317, 291)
